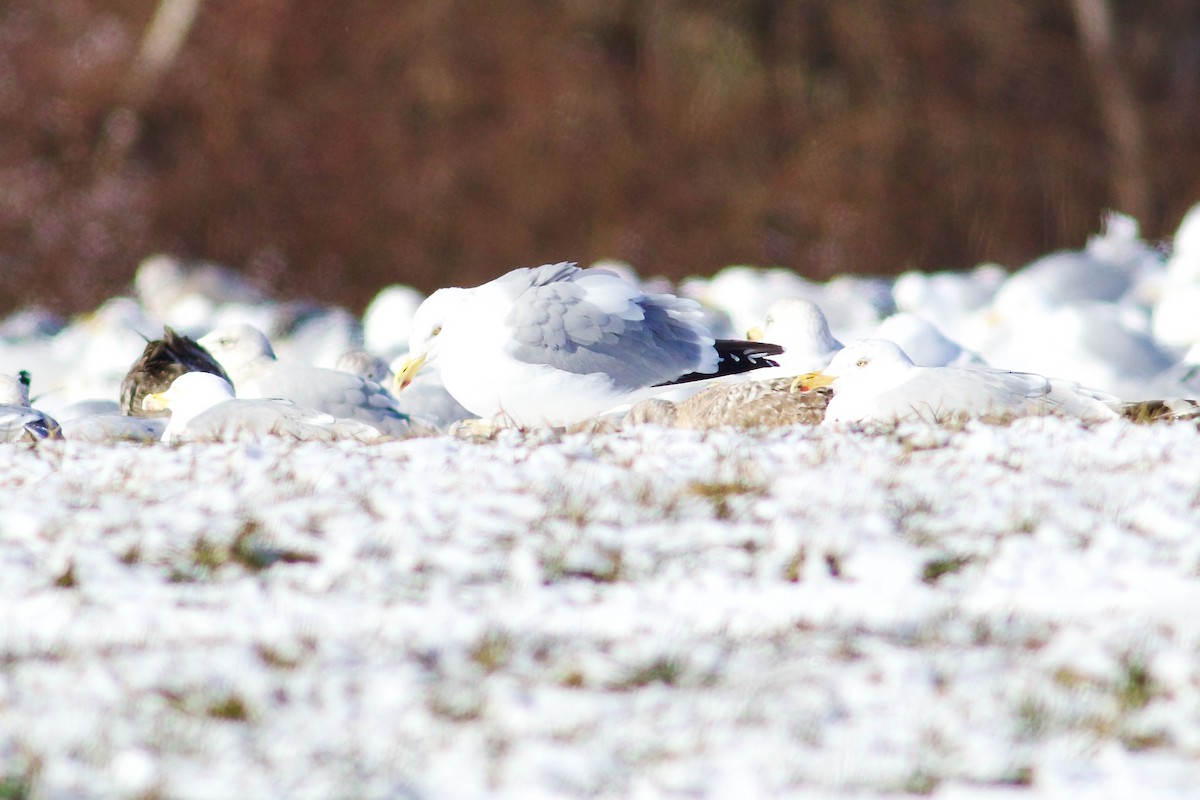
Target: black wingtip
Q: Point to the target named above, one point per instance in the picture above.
(747, 347)
(735, 356)
(738, 355)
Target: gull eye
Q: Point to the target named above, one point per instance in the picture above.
(436, 330)
(862, 362)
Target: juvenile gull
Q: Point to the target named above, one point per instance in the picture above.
(746, 404)
(203, 408)
(555, 345)
(162, 361)
(873, 380)
(248, 358)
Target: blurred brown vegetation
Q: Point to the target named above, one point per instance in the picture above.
(329, 148)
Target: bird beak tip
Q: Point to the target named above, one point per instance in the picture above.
(408, 370)
(810, 380)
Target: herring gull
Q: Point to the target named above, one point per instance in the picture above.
(109, 428)
(203, 408)
(873, 380)
(248, 358)
(365, 365)
(799, 325)
(555, 345)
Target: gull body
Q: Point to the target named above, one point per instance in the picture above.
(109, 428)
(19, 422)
(753, 404)
(556, 345)
(248, 359)
(873, 380)
(203, 407)
(425, 401)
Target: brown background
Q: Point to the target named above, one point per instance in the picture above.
(329, 148)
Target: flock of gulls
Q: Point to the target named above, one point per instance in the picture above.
(1104, 332)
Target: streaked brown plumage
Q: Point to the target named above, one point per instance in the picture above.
(746, 404)
(160, 364)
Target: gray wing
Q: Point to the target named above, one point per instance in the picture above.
(103, 428)
(24, 424)
(948, 392)
(340, 394)
(249, 419)
(588, 321)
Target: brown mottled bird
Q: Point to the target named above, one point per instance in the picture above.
(746, 404)
(161, 363)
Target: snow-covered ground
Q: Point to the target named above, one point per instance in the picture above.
(968, 611)
(981, 612)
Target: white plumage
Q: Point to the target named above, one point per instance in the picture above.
(556, 345)
(874, 381)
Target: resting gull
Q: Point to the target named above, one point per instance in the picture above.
(162, 361)
(365, 365)
(248, 358)
(746, 404)
(873, 380)
(800, 326)
(101, 422)
(555, 345)
(19, 422)
(203, 408)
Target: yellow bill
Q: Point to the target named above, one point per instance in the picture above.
(155, 402)
(811, 380)
(408, 370)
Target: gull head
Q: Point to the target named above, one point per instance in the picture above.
(236, 346)
(190, 394)
(799, 326)
(877, 363)
(14, 390)
(426, 339)
(190, 390)
(795, 322)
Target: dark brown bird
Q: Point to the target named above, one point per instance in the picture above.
(161, 363)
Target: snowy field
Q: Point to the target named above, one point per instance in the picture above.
(962, 611)
(984, 612)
